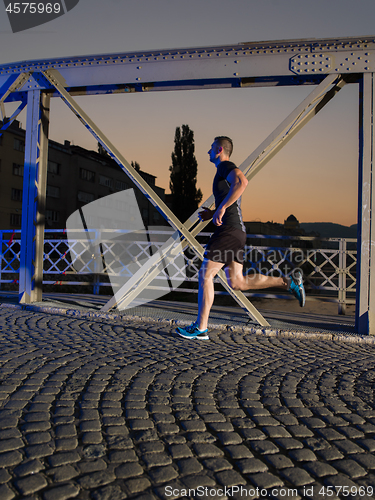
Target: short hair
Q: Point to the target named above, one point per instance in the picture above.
(226, 143)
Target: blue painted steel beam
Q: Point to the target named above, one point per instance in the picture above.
(34, 188)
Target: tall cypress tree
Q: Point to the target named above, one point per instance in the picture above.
(183, 180)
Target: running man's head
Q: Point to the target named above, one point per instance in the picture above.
(221, 149)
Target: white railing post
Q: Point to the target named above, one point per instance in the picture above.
(342, 276)
(96, 286)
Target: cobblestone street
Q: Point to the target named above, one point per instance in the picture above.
(114, 409)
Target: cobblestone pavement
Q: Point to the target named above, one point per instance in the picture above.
(95, 409)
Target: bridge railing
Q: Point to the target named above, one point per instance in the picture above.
(328, 264)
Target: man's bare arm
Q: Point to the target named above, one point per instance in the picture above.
(238, 183)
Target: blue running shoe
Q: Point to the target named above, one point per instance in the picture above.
(192, 332)
(191, 327)
(296, 287)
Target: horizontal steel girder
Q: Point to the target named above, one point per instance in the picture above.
(247, 64)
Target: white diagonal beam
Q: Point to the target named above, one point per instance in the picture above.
(289, 127)
(17, 84)
(56, 80)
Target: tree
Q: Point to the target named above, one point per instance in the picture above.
(183, 180)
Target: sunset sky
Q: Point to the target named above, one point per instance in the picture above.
(314, 177)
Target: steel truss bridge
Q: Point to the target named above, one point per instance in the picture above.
(327, 65)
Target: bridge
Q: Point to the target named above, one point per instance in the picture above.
(325, 64)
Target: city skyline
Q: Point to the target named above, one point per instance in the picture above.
(314, 177)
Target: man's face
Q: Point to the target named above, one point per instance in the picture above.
(213, 152)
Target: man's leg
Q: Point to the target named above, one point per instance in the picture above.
(198, 329)
(207, 272)
(236, 279)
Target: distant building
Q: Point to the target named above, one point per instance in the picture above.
(290, 228)
(291, 223)
(269, 228)
(75, 177)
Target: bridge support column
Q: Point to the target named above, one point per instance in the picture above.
(365, 304)
(34, 196)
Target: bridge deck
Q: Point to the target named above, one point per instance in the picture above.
(221, 317)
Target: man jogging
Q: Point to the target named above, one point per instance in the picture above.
(226, 246)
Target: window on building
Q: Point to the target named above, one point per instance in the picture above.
(53, 215)
(121, 185)
(87, 175)
(53, 167)
(19, 145)
(85, 197)
(16, 194)
(15, 220)
(53, 192)
(17, 169)
(105, 181)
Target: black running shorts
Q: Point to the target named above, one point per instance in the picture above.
(226, 245)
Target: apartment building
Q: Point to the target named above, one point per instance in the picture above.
(76, 176)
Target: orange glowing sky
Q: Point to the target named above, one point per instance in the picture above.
(314, 177)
